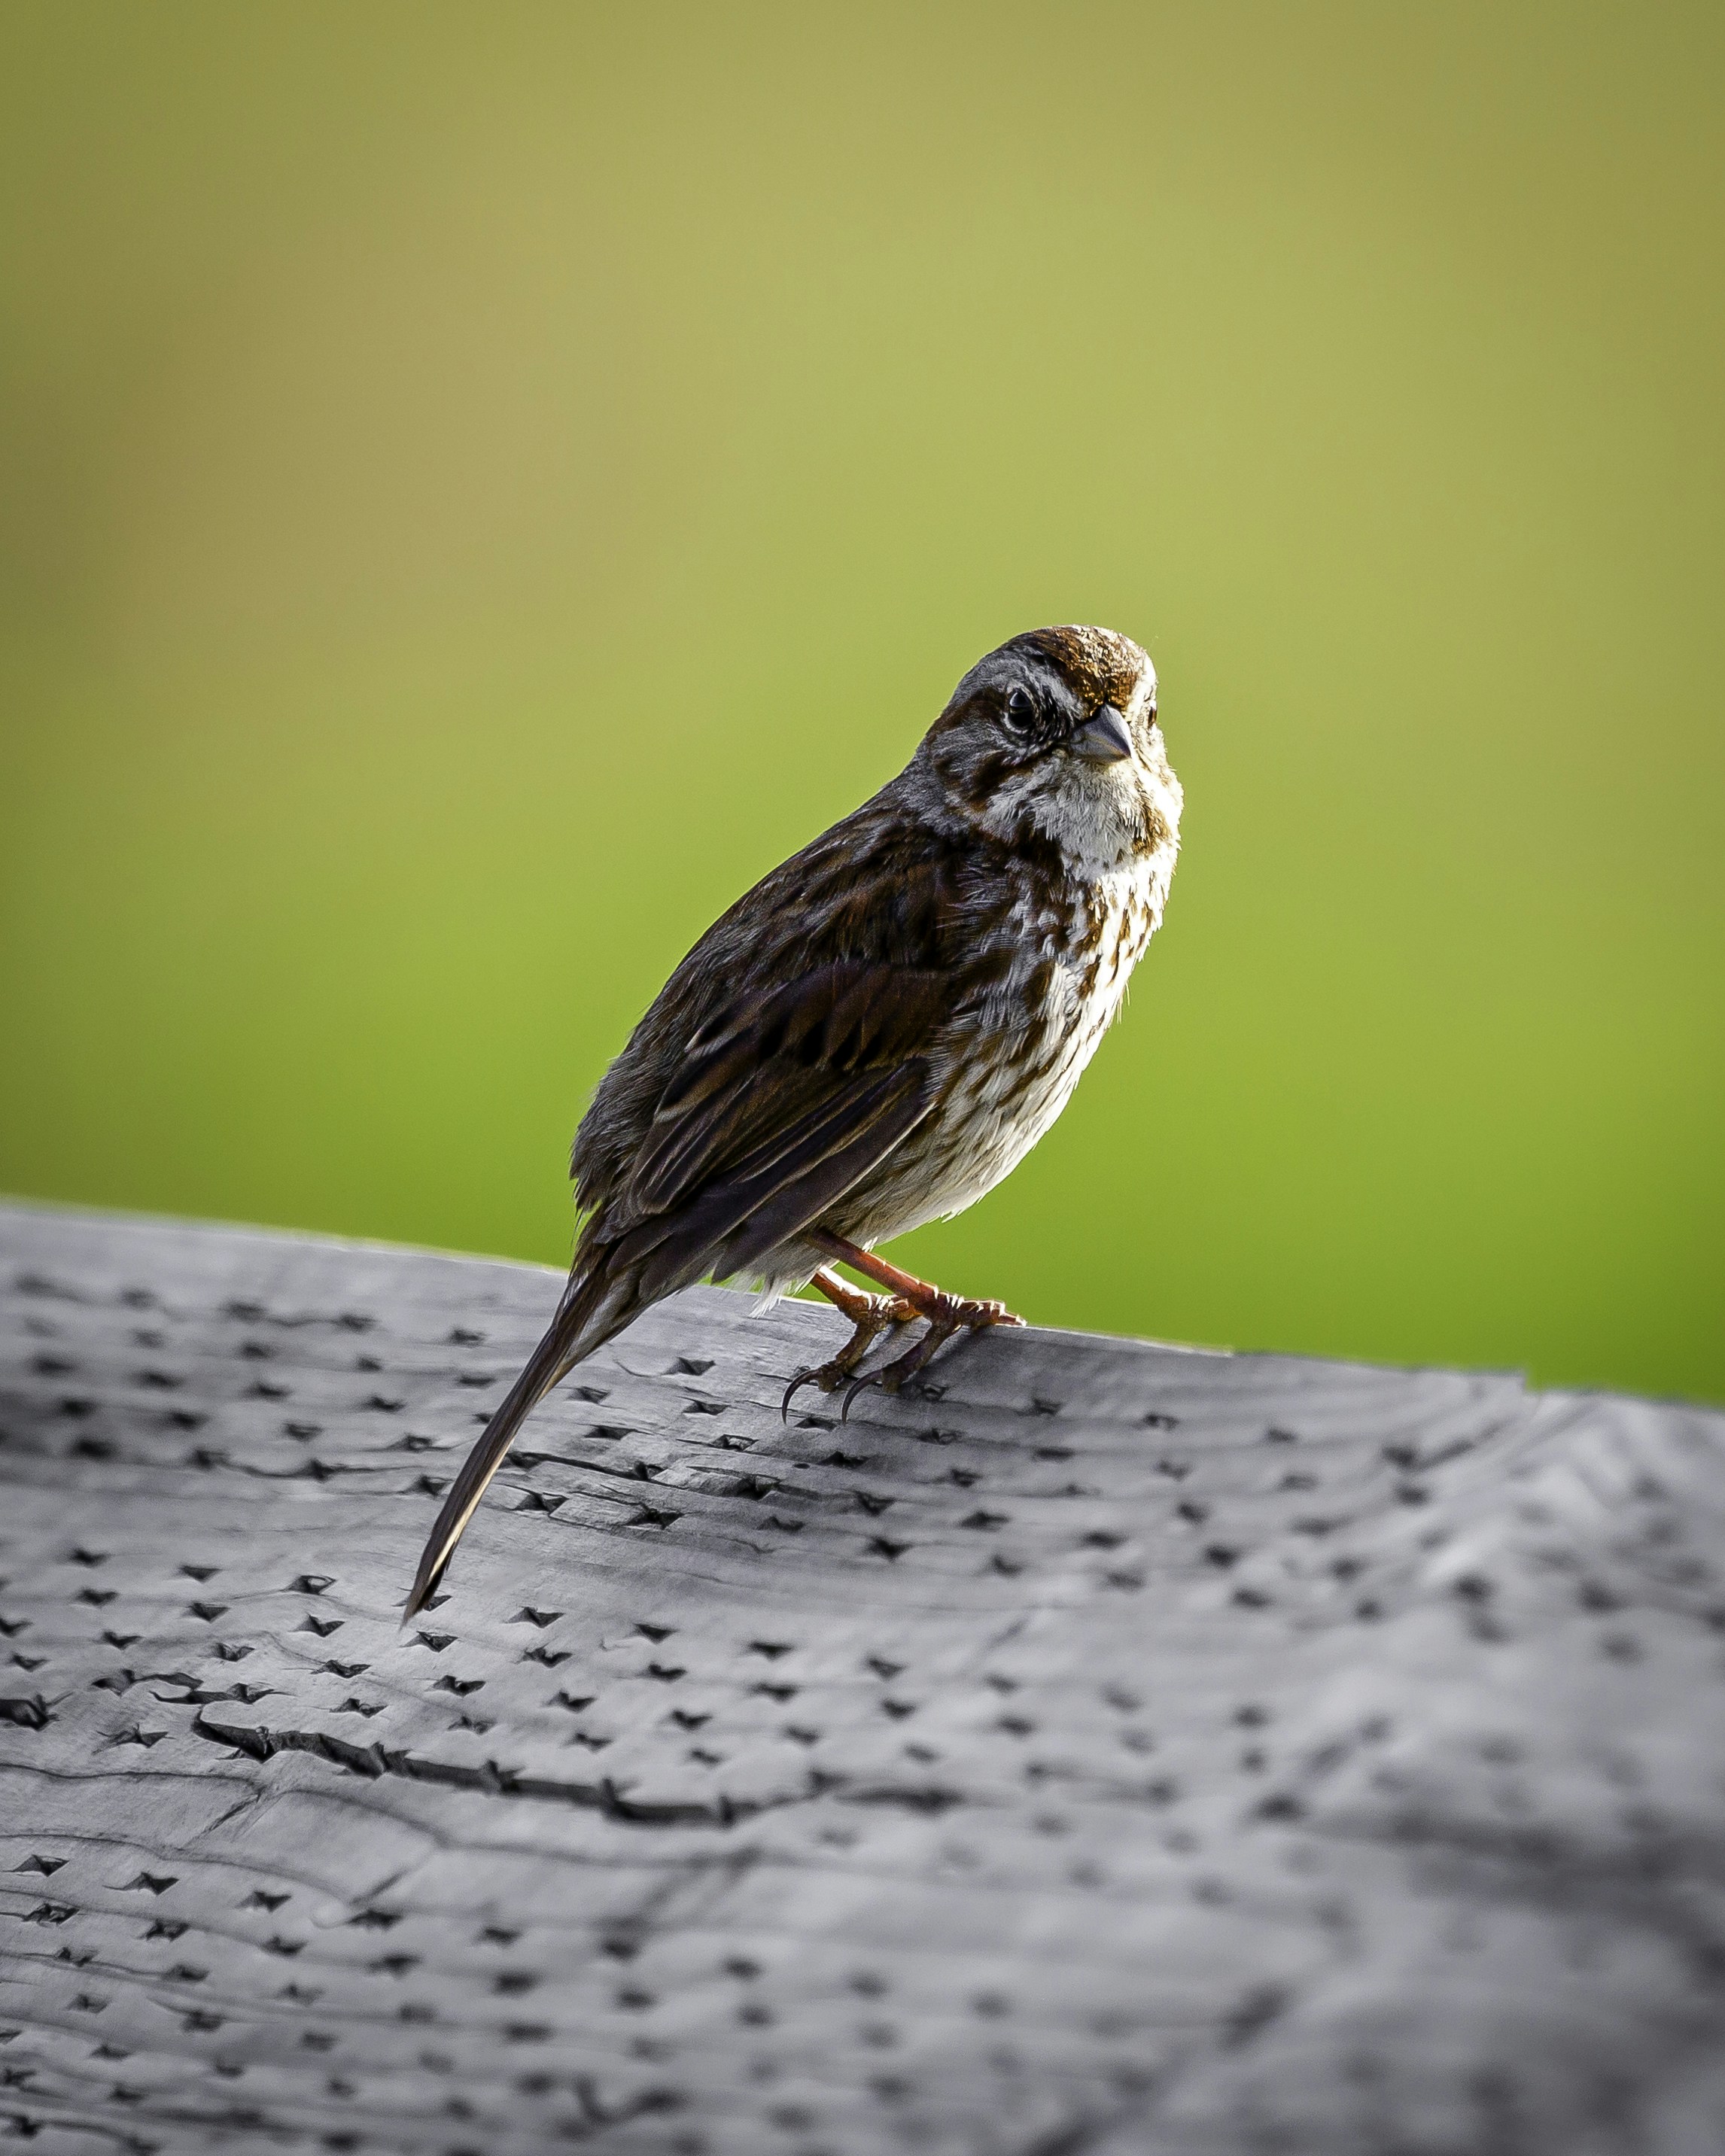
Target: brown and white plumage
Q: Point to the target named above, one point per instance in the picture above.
(885, 1025)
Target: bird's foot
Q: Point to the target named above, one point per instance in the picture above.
(947, 1314)
(871, 1316)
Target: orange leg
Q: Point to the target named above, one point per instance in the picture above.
(947, 1314)
(871, 1315)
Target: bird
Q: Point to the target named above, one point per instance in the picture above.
(878, 1032)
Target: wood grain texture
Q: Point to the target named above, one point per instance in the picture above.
(1118, 1750)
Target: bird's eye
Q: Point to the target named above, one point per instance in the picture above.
(1020, 712)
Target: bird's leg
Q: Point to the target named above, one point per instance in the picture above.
(947, 1314)
(871, 1315)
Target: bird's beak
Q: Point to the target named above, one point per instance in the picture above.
(1103, 737)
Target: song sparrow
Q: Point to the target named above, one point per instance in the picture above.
(880, 1030)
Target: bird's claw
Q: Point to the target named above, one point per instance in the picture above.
(881, 1313)
(949, 1316)
(858, 1385)
(808, 1376)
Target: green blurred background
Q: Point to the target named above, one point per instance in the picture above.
(479, 485)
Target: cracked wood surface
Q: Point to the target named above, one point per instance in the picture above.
(1116, 1749)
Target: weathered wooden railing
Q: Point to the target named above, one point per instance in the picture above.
(1116, 1749)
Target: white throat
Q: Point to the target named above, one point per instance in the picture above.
(1101, 819)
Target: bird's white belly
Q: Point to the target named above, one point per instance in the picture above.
(1003, 1102)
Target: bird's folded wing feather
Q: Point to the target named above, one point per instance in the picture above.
(784, 1099)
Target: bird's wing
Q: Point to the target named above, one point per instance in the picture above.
(779, 1099)
(782, 1100)
(785, 1097)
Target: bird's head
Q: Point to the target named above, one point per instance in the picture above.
(1055, 736)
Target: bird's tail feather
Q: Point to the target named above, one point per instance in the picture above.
(593, 1309)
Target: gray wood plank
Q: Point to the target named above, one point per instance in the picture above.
(1118, 1748)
